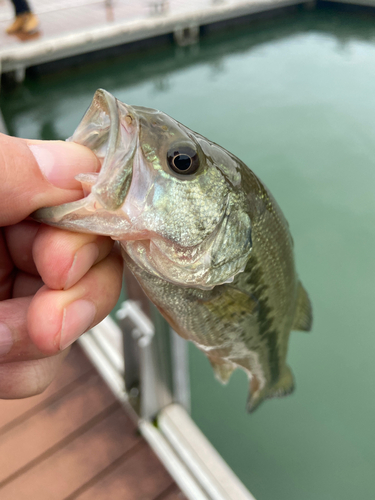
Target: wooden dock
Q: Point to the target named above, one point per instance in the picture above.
(70, 28)
(75, 441)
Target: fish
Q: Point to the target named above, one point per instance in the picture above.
(201, 233)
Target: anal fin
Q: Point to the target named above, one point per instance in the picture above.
(223, 370)
(303, 315)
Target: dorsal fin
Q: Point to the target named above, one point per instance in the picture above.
(303, 315)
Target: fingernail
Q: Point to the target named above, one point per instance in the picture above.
(84, 258)
(6, 339)
(77, 318)
(61, 161)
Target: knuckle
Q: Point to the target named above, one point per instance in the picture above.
(28, 378)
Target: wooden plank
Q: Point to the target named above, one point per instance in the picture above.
(72, 466)
(75, 365)
(176, 495)
(172, 493)
(73, 441)
(51, 425)
(139, 477)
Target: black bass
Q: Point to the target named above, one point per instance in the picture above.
(201, 233)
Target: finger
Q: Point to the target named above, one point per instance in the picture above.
(6, 269)
(25, 285)
(72, 255)
(58, 317)
(19, 240)
(15, 342)
(34, 174)
(23, 379)
(34, 327)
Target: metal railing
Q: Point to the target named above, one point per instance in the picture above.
(145, 365)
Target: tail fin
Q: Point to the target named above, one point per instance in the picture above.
(283, 387)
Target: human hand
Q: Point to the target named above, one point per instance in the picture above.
(54, 284)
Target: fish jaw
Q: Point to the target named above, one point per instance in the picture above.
(110, 129)
(85, 216)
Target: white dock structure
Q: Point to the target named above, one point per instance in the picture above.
(73, 28)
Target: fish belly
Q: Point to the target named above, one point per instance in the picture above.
(224, 324)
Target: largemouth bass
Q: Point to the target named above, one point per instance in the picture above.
(202, 234)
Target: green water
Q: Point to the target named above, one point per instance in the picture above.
(295, 99)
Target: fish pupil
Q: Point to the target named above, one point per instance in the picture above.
(183, 159)
(182, 162)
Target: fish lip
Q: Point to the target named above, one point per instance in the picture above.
(121, 138)
(103, 129)
(93, 120)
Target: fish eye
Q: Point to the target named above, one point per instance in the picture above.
(183, 160)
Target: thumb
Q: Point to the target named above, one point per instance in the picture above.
(35, 174)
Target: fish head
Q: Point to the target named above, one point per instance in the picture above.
(172, 198)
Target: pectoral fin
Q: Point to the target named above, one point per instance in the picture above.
(303, 315)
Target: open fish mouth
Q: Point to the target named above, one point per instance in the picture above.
(110, 129)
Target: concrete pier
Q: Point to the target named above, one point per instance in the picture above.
(72, 28)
